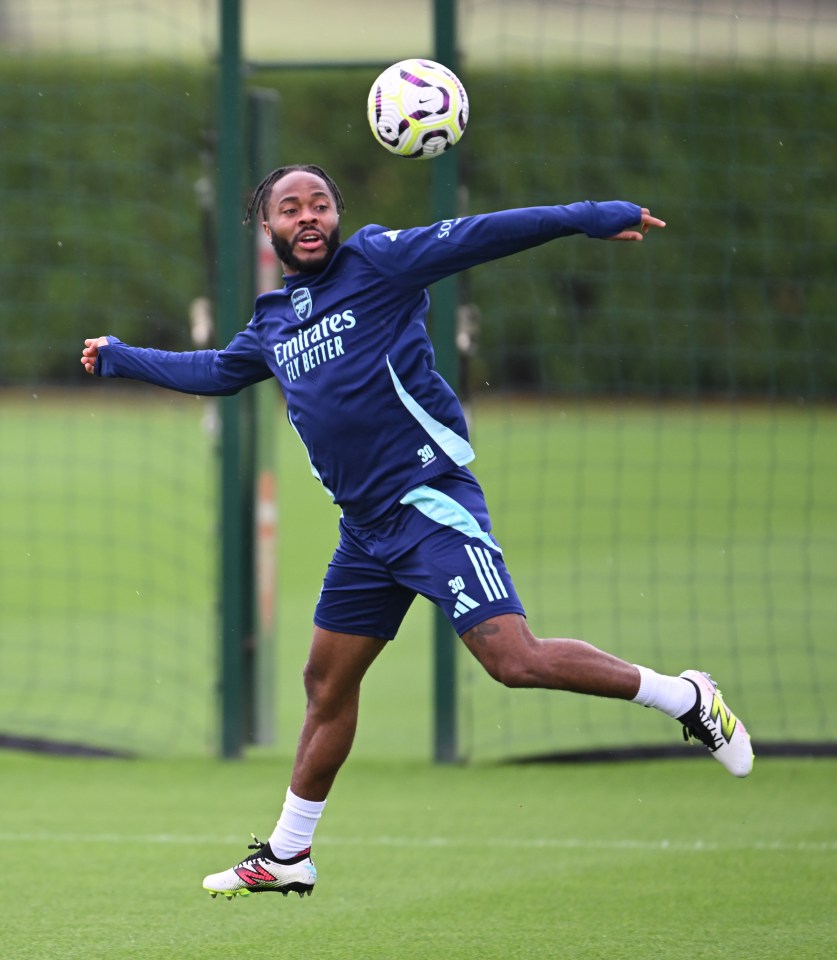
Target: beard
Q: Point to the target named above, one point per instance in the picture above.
(284, 251)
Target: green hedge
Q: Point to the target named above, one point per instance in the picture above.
(102, 231)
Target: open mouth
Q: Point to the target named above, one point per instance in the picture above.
(310, 240)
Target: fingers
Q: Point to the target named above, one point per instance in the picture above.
(645, 224)
(90, 353)
(647, 221)
(626, 235)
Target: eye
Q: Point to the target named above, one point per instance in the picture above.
(287, 211)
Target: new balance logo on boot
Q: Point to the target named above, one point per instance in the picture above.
(262, 872)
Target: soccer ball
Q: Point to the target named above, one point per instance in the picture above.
(417, 109)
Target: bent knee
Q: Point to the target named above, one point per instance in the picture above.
(319, 685)
(512, 673)
(507, 650)
(328, 693)
(513, 667)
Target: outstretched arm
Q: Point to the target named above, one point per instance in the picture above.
(419, 256)
(645, 224)
(202, 372)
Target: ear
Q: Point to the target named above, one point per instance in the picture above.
(266, 228)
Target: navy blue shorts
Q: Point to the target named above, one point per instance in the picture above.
(436, 543)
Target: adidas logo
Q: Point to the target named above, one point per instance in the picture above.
(463, 605)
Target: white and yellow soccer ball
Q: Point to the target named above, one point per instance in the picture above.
(417, 109)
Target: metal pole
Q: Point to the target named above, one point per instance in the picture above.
(230, 274)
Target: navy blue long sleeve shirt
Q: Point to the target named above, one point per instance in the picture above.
(350, 349)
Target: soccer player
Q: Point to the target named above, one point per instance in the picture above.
(386, 436)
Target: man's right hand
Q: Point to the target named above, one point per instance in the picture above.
(91, 352)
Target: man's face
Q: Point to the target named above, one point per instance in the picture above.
(303, 223)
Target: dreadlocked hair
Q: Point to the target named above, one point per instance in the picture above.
(261, 195)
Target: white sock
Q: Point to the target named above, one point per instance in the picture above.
(295, 828)
(673, 695)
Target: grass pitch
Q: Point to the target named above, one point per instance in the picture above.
(669, 861)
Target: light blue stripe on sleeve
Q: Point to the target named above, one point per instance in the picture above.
(456, 447)
(445, 510)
